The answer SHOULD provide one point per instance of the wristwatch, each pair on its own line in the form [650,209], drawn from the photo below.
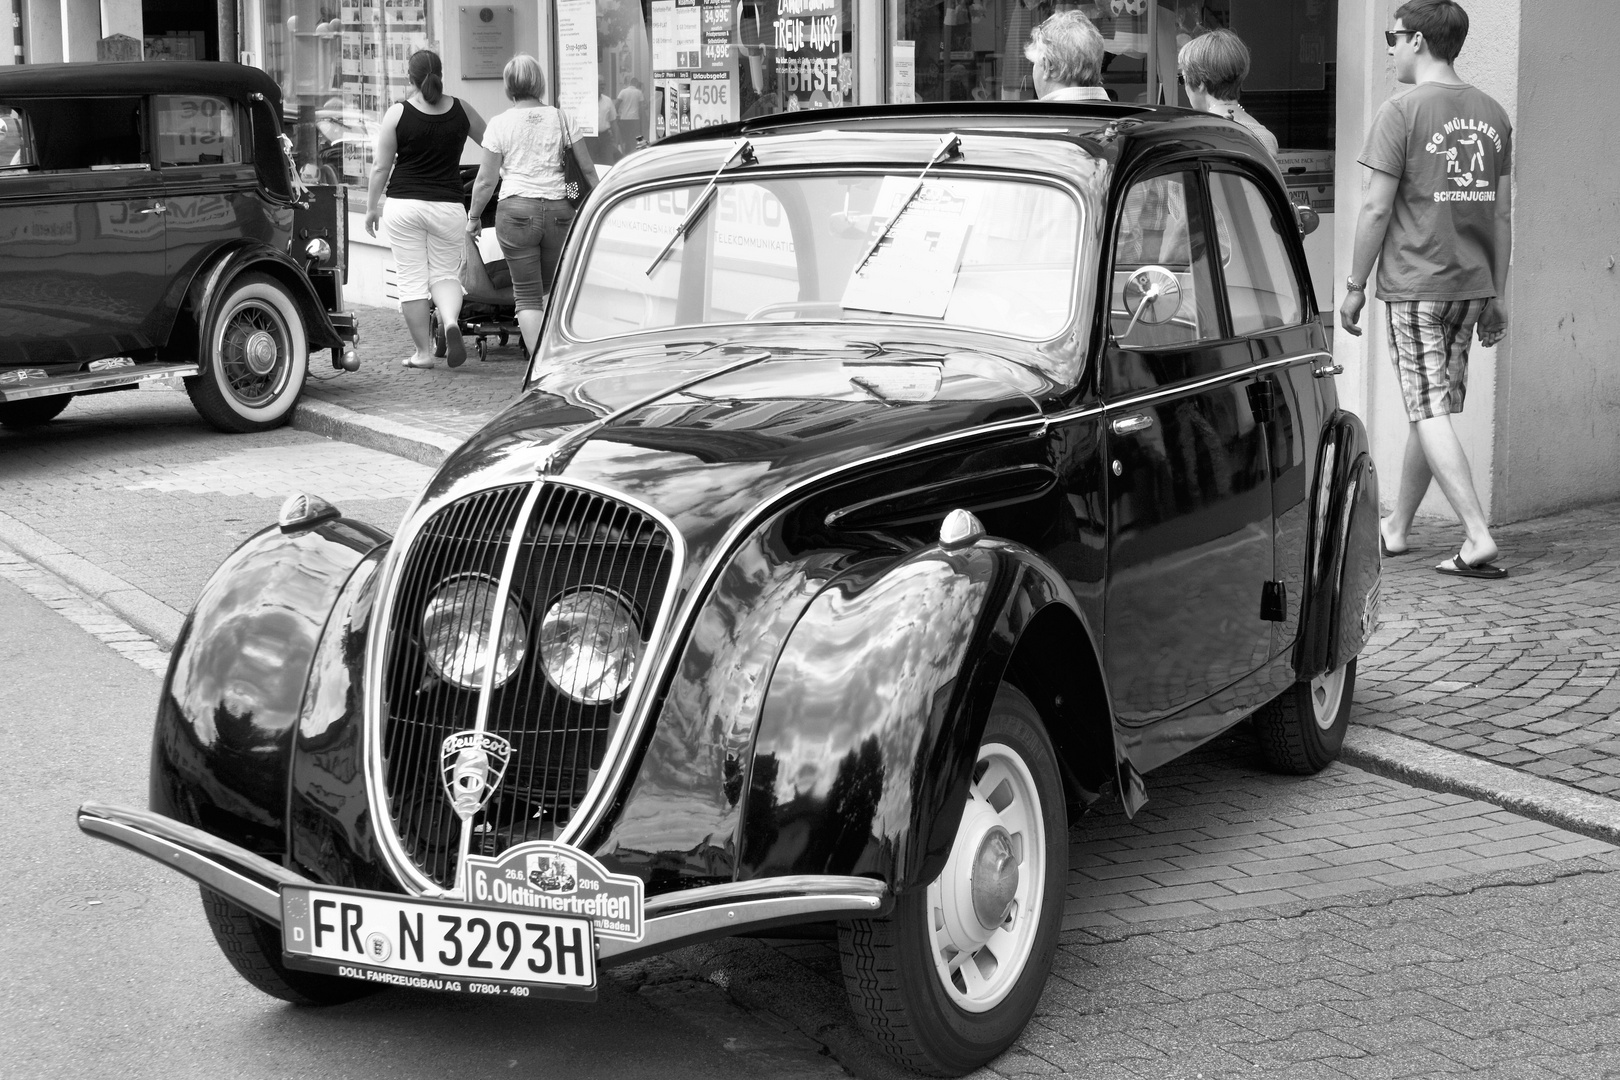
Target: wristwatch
[1355,286]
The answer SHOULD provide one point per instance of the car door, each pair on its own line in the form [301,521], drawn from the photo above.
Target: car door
[82,237]
[1263,277]
[1189,493]
[209,186]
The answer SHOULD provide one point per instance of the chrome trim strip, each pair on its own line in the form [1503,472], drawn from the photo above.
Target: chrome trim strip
[790,885]
[220,865]
[722,919]
[1212,380]
[96,380]
[588,816]
[399,862]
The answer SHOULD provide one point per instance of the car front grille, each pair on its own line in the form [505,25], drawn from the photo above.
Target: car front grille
[570,538]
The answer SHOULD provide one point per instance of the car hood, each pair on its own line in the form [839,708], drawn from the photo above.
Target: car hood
[791,409]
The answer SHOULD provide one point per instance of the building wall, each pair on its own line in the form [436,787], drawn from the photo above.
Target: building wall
[1558,410]
[1369,387]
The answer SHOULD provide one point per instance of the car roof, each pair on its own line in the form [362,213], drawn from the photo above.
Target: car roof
[147,77]
[1114,130]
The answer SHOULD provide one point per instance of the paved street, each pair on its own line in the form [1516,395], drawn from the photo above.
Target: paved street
[1349,924]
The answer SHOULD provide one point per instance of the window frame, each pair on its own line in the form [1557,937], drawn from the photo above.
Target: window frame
[1302,282]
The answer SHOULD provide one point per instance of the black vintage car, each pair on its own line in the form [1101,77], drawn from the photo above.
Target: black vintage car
[152,227]
[889,485]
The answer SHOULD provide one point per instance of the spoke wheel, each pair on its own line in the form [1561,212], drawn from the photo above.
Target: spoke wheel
[1302,731]
[255,360]
[949,978]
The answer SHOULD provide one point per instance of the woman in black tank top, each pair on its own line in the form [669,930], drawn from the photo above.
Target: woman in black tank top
[418,164]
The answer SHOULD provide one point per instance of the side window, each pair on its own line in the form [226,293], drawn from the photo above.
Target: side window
[1161,226]
[1261,287]
[16,141]
[68,134]
[195,129]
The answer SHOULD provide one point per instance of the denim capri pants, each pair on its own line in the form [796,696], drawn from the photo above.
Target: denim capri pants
[531,233]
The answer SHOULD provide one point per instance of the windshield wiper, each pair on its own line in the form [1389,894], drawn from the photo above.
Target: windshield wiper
[950,146]
[742,148]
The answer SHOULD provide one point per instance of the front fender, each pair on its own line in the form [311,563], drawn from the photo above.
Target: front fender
[236,679]
[1343,583]
[209,283]
[871,723]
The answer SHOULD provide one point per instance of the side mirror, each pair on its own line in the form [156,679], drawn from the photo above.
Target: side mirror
[1308,219]
[1152,295]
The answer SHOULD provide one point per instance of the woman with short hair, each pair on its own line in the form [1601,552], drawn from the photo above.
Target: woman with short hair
[419,164]
[523,150]
[1212,69]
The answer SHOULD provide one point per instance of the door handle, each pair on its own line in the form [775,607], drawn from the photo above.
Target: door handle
[156,208]
[1127,424]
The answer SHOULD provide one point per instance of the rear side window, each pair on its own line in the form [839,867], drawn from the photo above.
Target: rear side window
[68,134]
[1261,287]
[195,129]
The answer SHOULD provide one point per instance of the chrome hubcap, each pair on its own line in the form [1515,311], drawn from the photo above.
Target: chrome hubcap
[1326,692]
[260,353]
[984,908]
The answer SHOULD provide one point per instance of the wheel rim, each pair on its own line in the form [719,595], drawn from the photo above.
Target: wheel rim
[255,354]
[996,873]
[1326,692]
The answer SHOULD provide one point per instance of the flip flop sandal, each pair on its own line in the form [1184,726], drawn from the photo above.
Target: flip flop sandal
[1458,568]
[455,350]
[407,363]
[1390,553]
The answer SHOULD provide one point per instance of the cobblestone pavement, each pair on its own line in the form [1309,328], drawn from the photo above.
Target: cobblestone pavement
[441,399]
[140,488]
[1519,671]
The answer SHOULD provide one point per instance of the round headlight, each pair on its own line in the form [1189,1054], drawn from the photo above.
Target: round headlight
[455,632]
[589,645]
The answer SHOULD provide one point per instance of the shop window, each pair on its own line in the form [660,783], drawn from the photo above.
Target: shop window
[1262,289]
[196,130]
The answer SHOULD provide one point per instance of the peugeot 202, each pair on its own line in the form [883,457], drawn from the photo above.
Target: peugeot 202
[888,485]
[152,227]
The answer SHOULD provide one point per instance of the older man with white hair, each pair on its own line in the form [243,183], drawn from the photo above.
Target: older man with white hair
[1066,52]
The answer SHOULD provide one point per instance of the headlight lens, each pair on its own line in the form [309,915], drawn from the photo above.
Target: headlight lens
[590,645]
[455,632]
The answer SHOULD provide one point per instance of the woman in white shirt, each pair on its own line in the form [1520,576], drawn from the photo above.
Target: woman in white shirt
[523,149]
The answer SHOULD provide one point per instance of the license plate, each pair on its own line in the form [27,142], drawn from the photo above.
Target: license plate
[434,945]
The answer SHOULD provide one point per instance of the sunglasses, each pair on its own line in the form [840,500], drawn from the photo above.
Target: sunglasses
[1391,35]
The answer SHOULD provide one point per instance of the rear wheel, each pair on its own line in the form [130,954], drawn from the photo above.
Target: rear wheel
[949,978]
[1302,731]
[253,947]
[33,411]
[254,359]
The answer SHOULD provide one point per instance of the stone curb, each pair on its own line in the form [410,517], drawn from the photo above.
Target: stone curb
[372,432]
[140,609]
[1437,769]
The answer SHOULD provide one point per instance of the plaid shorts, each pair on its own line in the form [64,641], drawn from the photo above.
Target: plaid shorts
[1429,340]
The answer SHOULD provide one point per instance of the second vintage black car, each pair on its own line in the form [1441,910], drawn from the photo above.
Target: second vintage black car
[152,227]
[889,484]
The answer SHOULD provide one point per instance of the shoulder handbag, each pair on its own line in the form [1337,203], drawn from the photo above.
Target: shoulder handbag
[576,186]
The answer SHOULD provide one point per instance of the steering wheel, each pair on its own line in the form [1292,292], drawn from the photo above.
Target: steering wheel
[810,308]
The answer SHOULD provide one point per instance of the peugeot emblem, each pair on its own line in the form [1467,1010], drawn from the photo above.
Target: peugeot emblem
[472,764]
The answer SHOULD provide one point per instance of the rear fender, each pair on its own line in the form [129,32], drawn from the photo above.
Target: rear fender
[231,700]
[208,286]
[1344,576]
[871,723]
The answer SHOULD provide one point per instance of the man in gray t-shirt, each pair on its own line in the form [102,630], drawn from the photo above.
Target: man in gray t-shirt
[1437,219]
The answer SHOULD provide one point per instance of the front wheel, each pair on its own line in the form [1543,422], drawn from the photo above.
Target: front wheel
[1302,731]
[254,359]
[253,947]
[33,411]
[949,978]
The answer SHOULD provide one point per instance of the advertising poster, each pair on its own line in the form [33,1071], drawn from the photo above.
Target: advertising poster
[375,41]
[694,70]
[808,41]
[904,66]
[576,62]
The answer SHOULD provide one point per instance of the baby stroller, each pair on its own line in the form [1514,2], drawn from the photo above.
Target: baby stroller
[487,308]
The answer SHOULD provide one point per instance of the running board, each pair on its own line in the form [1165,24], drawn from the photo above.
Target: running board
[20,384]
[672,920]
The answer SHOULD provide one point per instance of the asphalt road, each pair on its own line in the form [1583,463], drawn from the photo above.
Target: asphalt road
[110,969]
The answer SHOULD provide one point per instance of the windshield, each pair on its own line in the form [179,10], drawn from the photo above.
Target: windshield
[997,255]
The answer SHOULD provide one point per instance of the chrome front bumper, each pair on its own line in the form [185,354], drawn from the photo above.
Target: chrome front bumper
[672,919]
